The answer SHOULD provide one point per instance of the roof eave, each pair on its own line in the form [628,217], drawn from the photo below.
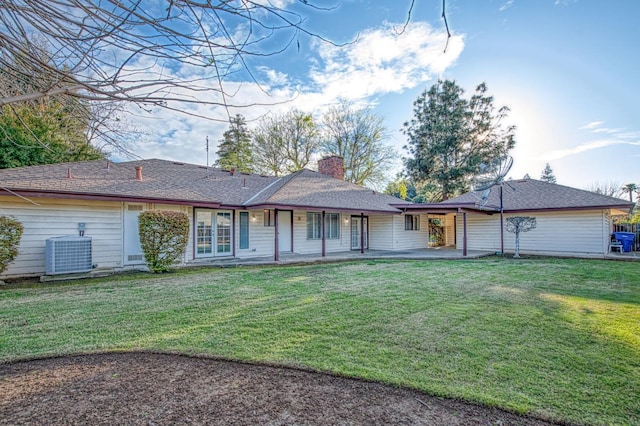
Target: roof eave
[105,197]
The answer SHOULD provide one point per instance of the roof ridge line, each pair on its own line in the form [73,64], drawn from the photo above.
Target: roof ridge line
[261,191]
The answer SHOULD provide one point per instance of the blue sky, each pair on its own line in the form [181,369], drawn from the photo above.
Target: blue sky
[567,69]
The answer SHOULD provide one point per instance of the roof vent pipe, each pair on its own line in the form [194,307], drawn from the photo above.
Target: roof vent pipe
[232,171]
[69,176]
[138,172]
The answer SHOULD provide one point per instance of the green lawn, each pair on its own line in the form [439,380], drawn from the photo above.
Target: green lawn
[558,338]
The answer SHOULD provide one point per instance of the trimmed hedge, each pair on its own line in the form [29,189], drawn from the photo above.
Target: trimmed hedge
[10,234]
[163,236]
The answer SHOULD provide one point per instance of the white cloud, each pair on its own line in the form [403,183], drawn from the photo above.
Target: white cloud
[382,61]
[506,5]
[615,137]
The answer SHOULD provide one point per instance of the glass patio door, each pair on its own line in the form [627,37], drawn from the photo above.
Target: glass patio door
[213,233]
[223,233]
[356,239]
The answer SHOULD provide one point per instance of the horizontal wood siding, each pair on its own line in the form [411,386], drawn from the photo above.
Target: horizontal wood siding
[382,232]
[261,241]
[568,232]
[58,217]
[410,240]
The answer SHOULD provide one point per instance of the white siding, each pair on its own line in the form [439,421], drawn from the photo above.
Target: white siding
[58,217]
[410,240]
[382,232]
[564,232]
[261,242]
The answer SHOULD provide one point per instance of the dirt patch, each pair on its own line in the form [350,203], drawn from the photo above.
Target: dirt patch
[146,388]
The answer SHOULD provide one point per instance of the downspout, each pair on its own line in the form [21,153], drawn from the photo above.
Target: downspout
[362,232]
[276,256]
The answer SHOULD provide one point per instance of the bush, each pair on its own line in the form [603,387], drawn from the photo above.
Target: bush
[163,236]
[10,234]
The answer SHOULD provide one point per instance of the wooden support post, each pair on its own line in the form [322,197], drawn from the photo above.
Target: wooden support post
[361,232]
[324,236]
[276,255]
[464,233]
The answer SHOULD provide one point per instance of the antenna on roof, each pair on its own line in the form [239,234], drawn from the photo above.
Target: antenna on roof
[493,174]
[207,139]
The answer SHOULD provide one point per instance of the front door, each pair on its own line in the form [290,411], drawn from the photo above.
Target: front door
[284,231]
[356,237]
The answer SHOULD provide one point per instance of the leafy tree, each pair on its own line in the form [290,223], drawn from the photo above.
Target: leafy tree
[234,151]
[10,234]
[450,136]
[43,133]
[547,174]
[357,135]
[163,237]
[285,143]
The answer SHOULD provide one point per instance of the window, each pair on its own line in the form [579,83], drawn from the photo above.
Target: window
[244,230]
[314,226]
[411,222]
[332,229]
[269,218]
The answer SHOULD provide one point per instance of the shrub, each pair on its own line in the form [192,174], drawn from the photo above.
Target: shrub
[10,234]
[163,236]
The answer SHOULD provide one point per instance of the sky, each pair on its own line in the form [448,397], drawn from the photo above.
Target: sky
[567,69]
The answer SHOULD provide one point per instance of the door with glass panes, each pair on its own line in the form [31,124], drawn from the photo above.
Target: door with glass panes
[213,233]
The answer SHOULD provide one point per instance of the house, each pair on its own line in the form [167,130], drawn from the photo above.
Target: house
[570,221]
[231,214]
[236,215]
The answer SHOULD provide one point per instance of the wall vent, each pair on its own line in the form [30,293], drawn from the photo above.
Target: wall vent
[134,257]
[69,254]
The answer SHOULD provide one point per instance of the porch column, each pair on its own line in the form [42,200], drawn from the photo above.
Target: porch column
[276,255]
[464,233]
[501,224]
[324,239]
[233,233]
[362,233]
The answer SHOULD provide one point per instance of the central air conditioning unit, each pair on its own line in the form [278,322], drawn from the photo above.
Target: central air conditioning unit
[67,255]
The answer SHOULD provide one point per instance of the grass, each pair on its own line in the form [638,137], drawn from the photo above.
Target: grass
[557,338]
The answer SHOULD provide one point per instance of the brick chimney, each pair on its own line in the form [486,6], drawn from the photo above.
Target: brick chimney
[332,166]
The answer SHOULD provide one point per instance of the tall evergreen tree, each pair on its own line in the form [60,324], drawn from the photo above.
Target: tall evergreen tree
[547,174]
[450,136]
[234,151]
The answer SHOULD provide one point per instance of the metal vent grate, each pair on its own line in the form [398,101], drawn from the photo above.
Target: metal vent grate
[69,254]
[134,257]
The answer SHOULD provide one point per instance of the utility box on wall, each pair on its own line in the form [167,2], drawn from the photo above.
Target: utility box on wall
[68,254]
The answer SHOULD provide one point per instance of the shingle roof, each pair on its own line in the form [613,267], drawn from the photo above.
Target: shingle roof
[307,188]
[190,183]
[532,194]
[161,179]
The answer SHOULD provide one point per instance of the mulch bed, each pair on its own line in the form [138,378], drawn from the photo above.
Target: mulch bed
[160,389]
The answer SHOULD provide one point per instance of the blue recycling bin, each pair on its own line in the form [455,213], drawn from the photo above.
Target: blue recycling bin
[626,238]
